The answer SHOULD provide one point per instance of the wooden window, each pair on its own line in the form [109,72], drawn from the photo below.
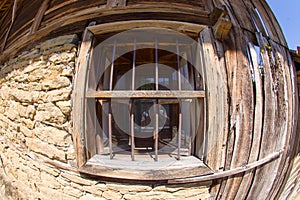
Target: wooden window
[139,105]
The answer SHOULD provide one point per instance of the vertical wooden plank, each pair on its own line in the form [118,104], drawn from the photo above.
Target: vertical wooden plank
[287,115]
[239,11]
[39,16]
[257,124]
[274,23]
[215,106]
[255,17]
[264,177]
[79,95]
[270,22]
[200,140]
[216,99]
[241,92]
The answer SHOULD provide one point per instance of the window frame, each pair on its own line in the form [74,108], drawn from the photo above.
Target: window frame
[80,93]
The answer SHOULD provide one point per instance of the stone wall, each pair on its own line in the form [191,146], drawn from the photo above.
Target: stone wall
[37,155]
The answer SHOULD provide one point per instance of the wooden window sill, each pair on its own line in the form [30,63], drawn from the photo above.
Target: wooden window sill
[145,169]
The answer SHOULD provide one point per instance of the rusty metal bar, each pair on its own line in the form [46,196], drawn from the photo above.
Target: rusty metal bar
[132,130]
[112,66]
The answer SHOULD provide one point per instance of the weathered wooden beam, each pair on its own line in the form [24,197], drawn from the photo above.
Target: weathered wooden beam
[127,25]
[39,16]
[14,11]
[222,28]
[145,94]
[216,14]
[79,92]
[145,169]
[221,25]
[115,3]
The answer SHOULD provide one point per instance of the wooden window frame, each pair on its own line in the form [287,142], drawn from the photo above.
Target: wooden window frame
[91,166]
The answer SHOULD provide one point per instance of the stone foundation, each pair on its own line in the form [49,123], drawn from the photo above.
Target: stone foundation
[37,155]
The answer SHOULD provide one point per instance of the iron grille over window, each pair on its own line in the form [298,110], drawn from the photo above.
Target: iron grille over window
[144,101]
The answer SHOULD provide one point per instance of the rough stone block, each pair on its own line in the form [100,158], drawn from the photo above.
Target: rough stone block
[122,188]
[58,95]
[112,195]
[50,113]
[55,83]
[78,179]
[53,136]
[45,149]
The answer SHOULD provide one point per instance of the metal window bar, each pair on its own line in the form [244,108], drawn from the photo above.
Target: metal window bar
[110,134]
[179,134]
[156,106]
[132,130]
[156,130]
[178,65]
[133,65]
[179,88]
[112,66]
[110,88]
[156,65]
[131,104]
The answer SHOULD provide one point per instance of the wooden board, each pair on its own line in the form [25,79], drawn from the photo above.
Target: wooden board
[79,98]
[145,168]
[241,112]
[146,94]
[216,101]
